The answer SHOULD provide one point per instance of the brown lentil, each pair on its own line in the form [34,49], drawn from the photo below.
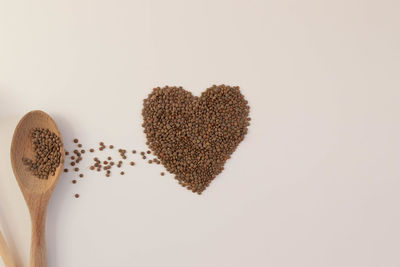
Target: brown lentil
[47,153]
[195,136]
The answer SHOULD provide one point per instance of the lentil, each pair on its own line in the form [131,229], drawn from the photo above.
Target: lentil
[47,153]
[195,136]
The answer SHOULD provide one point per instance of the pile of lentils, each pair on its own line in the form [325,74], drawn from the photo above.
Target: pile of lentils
[47,153]
[194,136]
[191,136]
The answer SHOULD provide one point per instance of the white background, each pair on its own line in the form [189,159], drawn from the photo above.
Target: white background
[316,181]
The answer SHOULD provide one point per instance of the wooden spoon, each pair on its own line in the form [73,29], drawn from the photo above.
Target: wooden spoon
[36,191]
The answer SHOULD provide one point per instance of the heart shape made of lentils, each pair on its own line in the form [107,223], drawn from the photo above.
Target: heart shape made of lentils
[194,136]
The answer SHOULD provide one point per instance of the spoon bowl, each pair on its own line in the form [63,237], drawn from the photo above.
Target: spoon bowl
[37,192]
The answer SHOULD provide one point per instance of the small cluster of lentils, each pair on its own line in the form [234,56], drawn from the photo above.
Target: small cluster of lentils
[101,165]
[194,136]
[47,152]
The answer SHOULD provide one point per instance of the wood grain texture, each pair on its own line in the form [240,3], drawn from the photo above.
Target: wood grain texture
[5,253]
[37,192]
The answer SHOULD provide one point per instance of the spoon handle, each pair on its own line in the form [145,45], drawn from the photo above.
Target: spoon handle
[38,240]
[5,253]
